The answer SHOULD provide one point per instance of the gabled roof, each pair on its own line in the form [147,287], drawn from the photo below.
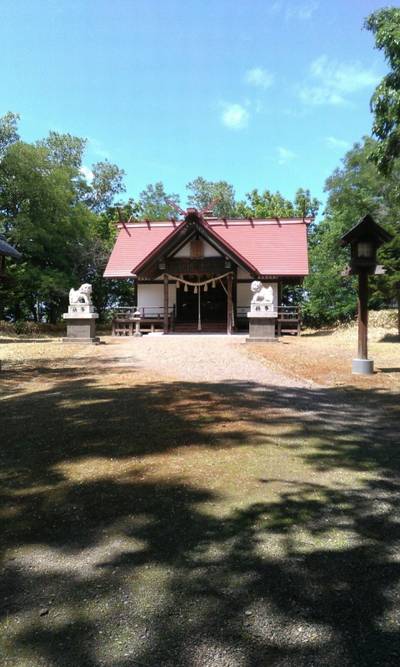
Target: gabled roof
[192,225]
[8,250]
[265,247]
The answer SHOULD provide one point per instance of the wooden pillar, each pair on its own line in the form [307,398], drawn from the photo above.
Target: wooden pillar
[199,307]
[363,315]
[165,303]
[234,299]
[229,305]
[279,293]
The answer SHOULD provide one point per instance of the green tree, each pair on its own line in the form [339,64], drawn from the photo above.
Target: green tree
[156,204]
[107,182]
[95,254]
[385,102]
[40,214]
[219,195]
[274,205]
[56,219]
[8,131]
[355,189]
[327,296]
[64,150]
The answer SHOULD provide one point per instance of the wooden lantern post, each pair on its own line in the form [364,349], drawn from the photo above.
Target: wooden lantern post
[166,294]
[362,314]
[364,239]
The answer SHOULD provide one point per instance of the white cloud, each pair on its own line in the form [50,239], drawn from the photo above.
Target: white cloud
[86,173]
[342,77]
[302,11]
[337,144]
[330,82]
[285,155]
[97,148]
[259,77]
[275,7]
[235,116]
[316,96]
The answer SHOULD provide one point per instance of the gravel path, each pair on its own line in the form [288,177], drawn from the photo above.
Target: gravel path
[199,359]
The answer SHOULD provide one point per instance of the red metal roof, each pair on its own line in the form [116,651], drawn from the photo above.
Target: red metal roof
[271,247]
[134,243]
[274,248]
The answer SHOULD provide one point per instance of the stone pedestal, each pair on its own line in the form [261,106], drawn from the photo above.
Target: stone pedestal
[81,324]
[362,367]
[262,327]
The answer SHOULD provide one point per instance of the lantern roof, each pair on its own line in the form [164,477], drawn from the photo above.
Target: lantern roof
[366,230]
[8,250]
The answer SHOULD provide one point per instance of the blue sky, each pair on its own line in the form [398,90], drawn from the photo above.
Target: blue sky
[261,93]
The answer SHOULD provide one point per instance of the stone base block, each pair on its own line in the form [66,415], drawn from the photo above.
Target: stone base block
[96,339]
[81,330]
[262,330]
[362,367]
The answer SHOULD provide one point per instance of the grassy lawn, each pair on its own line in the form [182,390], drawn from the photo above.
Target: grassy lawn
[150,521]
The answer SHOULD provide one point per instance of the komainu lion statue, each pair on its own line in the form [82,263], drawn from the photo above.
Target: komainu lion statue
[81,295]
[262,296]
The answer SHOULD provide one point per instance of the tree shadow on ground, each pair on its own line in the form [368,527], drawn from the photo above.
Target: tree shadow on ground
[105,564]
[390,338]
[318,333]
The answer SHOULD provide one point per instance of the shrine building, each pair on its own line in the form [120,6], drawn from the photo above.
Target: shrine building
[194,274]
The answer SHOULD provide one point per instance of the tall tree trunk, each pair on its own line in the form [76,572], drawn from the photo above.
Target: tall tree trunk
[52,310]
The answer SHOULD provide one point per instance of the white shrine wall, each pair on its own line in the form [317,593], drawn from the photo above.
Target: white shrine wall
[209,251]
[152,296]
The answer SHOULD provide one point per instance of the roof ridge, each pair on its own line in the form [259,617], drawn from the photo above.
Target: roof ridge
[213,221]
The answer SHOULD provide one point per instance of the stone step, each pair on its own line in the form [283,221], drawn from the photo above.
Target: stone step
[191,327]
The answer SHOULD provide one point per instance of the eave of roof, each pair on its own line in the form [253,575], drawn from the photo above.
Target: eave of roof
[156,251]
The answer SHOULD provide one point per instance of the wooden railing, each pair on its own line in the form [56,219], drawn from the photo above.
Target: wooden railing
[151,318]
[288,321]
[286,313]
[146,312]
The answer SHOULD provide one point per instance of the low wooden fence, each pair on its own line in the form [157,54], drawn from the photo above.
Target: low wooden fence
[151,318]
[288,321]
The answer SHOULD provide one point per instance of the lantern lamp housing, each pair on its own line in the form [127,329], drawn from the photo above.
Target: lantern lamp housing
[365,250]
[364,240]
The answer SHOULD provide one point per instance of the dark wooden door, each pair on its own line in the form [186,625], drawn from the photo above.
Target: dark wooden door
[213,304]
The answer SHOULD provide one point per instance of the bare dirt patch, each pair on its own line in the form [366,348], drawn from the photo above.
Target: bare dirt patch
[325,357]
